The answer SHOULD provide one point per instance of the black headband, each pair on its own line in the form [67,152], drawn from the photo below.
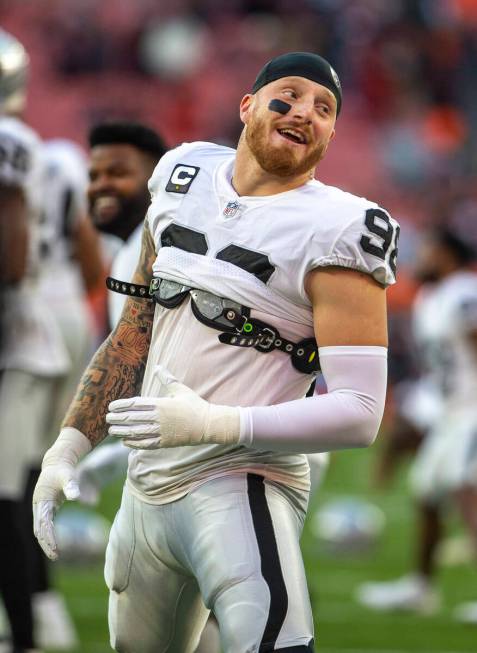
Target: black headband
[301,64]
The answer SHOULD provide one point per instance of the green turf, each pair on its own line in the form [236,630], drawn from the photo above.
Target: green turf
[342,626]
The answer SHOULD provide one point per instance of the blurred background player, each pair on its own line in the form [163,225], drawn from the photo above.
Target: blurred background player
[445,333]
[71,264]
[30,352]
[47,330]
[122,159]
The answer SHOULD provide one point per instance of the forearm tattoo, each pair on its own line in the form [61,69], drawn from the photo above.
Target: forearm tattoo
[117,368]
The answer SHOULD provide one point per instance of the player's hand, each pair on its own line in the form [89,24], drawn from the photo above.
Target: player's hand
[177,418]
[56,482]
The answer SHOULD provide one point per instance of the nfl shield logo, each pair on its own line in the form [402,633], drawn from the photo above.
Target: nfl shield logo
[232,209]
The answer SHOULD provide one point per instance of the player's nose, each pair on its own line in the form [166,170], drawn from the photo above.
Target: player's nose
[303,109]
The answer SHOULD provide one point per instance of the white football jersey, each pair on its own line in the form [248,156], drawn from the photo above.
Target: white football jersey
[255,251]
[61,285]
[21,160]
[31,339]
[66,179]
[123,267]
[444,315]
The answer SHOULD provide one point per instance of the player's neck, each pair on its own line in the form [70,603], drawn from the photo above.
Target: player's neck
[251,180]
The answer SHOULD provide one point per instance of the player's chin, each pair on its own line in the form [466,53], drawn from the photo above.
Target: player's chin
[288,164]
[104,218]
[106,215]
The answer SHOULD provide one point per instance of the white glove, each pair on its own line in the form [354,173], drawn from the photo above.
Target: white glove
[55,483]
[178,417]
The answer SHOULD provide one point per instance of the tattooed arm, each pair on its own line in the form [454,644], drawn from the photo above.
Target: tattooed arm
[117,368]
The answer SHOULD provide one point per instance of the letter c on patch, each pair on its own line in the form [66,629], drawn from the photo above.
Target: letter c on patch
[181,178]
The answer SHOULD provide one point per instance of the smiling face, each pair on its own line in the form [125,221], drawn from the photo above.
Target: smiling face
[117,192]
[289,145]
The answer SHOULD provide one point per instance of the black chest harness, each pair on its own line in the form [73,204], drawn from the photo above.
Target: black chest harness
[231,319]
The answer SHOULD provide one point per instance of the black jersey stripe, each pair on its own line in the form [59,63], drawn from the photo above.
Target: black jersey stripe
[270,561]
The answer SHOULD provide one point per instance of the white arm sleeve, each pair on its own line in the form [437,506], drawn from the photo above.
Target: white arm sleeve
[347,416]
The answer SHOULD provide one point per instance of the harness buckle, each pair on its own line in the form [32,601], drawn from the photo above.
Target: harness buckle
[267,339]
[235,317]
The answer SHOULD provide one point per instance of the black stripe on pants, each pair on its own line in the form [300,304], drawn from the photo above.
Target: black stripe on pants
[270,561]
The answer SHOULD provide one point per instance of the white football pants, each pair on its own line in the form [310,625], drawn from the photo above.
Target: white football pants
[232,546]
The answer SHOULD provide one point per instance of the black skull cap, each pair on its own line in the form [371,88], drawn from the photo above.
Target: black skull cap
[301,64]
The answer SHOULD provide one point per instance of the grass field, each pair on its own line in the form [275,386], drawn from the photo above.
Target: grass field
[342,626]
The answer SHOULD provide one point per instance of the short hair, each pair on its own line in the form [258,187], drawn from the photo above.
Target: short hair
[136,134]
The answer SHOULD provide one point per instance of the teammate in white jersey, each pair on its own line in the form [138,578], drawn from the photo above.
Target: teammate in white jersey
[445,332]
[123,157]
[70,263]
[248,258]
[27,353]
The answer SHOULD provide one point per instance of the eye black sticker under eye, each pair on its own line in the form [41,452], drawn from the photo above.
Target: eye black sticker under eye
[279,106]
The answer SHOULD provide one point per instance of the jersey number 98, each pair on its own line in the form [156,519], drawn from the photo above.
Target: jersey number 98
[384,236]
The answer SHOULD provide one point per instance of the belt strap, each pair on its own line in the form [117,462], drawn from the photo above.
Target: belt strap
[125,288]
[265,338]
[244,331]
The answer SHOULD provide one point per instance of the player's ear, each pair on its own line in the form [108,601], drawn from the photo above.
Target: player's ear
[245,105]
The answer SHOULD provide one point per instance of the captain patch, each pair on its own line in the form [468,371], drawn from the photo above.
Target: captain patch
[181,178]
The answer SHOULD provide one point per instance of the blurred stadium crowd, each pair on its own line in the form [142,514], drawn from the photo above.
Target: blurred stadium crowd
[407,67]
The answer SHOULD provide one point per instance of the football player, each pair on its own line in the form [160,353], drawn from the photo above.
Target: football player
[123,157]
[46,329]
[245,259]
[445,331]
[71,263]
[30,353]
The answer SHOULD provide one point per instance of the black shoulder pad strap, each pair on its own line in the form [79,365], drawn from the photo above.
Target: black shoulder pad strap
[126,288]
